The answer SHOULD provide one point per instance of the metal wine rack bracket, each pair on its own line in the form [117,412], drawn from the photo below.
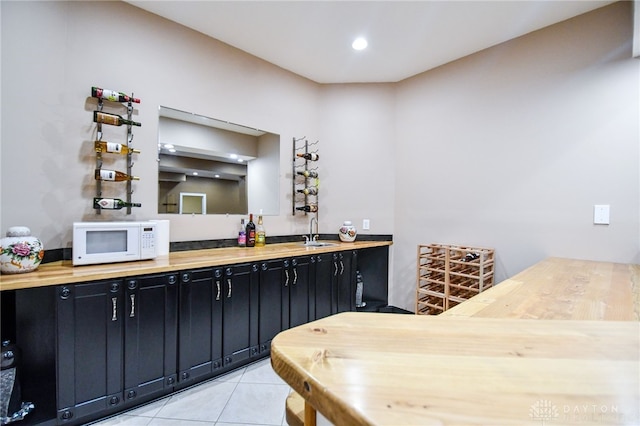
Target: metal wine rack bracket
[99,157]
[129,157]
[302,145]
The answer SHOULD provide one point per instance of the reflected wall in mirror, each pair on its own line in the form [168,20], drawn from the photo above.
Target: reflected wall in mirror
[236,167]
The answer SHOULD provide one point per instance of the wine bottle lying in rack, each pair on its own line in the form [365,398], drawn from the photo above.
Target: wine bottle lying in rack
[309,156]
[308,173]
[114,148]
[112,95]
[113,119]
[113,175]
[312,190]
[112,204]
[308,208]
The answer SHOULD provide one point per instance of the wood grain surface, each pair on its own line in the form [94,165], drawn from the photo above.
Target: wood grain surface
[64,272]
[558,288]
[385,369]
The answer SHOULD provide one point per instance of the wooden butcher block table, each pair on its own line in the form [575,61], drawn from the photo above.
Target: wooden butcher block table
[578,362]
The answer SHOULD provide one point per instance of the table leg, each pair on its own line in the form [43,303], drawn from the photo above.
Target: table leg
[309,414]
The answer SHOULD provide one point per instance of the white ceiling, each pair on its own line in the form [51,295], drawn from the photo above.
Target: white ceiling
[313,38]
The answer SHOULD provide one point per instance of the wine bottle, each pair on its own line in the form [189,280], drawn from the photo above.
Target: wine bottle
[242,234]
[251,232]
[308,173]
[112,95]
[113,148]
[113,175]
[261,235]
[113,119]
[112,204]
[312,190]
[308,208]
[309,156]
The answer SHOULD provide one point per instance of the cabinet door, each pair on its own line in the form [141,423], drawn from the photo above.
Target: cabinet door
[151,333]
[274,293]
[197,296]
[89,349]
[298,312]
[323,285]
[345,273]
[240,317]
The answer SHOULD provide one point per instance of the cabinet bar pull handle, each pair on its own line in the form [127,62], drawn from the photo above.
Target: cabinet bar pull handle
[114,313]
[335,266]
[229,283]
[286,273]
[218,288]
[341,267]
[133,306]
[295,275]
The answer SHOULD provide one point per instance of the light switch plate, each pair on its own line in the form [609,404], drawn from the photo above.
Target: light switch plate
[365,224]
[601,214]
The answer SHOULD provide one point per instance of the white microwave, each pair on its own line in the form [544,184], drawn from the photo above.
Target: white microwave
[108,242]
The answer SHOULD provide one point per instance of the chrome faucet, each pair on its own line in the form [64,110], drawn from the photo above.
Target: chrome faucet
[311,236]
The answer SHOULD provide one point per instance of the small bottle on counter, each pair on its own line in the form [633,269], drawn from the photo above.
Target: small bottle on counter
[251,232]
[242,234]
[261,235]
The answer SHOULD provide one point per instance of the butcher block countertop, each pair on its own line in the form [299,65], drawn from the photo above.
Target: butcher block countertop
[556,344]
[63,272]
[385,369]
[558,288]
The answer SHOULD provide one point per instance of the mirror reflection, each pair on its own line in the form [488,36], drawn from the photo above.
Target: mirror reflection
[235,168]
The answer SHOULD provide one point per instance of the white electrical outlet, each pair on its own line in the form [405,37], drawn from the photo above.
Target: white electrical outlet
[601,214]
[365,224]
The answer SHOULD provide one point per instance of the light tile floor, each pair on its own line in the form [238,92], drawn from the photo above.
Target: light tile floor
[253,395]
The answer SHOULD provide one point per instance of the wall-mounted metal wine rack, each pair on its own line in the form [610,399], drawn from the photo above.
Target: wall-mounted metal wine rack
[129,190]
[302,146]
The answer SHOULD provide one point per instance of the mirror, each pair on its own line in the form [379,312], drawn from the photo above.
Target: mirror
[232,169]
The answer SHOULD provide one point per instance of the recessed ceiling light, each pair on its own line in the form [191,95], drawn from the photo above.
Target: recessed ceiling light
[233,155]
[168,145]
[172,150]
[217,176]
[195,173]
[240,160]
[360,43]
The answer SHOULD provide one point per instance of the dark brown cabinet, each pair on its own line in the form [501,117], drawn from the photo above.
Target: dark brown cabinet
[116,344]
[150,336]
[90,321]
[199,313]
[95,348]
[240,318]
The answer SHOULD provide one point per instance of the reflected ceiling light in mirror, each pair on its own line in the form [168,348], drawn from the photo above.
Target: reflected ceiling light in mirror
[360,43]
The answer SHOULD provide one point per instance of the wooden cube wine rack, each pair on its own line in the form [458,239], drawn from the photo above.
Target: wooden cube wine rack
[450,274]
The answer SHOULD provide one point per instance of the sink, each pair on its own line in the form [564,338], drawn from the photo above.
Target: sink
[317,244]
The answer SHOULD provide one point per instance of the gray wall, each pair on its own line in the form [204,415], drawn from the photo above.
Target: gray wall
[509,148]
